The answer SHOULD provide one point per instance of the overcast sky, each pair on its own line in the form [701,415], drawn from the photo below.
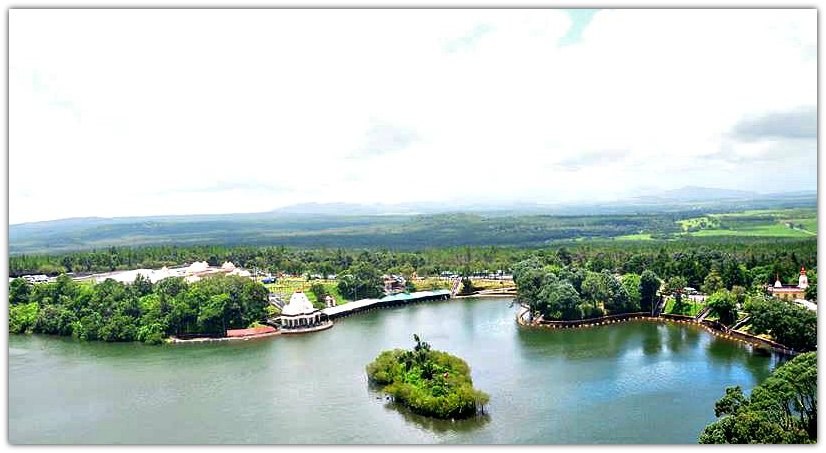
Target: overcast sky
[144,112]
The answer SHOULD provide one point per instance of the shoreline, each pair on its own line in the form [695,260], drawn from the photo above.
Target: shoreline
[469,296]
[713,327]
[326,325]
[173,340]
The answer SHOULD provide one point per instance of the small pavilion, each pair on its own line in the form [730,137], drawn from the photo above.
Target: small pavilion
[299,312]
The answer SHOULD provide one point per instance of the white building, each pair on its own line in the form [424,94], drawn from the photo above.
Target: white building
[299,312]
[197,267]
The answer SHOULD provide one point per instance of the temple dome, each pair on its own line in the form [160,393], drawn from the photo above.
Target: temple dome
[299,305]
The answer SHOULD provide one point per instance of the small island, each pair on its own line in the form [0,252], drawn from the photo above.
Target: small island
[429,382]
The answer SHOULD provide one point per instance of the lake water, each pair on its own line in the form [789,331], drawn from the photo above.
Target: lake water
[635,382]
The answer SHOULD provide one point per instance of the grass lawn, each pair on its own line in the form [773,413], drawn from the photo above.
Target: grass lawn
[809,223]
[690,307]
[491,284]
[431,283]
[769,230]
[287,286]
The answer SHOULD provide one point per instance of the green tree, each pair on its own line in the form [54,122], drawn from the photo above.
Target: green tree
[594,288]
[212,317]
[467,286]
[561,301]
[712,283]
[786,322]
[320,292]
[649,285]
[23,317]
[723,304]
[675,286]
[19,291]
[811,292]
[631,283]
[618,300]
[361,281]
[782,409]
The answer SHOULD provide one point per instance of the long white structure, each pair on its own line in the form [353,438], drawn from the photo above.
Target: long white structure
[395,299]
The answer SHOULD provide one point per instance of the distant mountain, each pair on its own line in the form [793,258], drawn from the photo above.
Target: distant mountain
[657,200]
[415,224]
[695,193]
[418,208]
[346,209]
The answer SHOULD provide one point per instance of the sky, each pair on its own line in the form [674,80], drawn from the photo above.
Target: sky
[157,112]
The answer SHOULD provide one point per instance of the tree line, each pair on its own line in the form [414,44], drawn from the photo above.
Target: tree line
[140,311]
[567,292]
[743,261]
[571,293]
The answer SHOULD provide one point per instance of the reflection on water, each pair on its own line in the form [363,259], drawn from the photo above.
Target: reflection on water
[437,425]
[429,423]
[634,382]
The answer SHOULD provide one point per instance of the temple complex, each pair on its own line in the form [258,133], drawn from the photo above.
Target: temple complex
[791,292]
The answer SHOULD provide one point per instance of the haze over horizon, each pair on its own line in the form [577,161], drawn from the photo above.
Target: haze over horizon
[231,111]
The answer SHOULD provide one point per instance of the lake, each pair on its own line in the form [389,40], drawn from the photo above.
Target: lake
[635,382]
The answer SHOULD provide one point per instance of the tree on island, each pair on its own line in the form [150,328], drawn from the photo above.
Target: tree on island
[429,382]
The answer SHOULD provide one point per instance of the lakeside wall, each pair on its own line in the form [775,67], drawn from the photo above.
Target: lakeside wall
[713,327]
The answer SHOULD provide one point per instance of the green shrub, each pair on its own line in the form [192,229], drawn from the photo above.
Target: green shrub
[429,382]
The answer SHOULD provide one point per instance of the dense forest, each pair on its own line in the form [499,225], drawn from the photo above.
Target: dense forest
[556,286]
[402,232]
[740,261]
[141,311]
[408,232]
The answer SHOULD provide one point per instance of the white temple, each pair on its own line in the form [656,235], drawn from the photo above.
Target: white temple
[803,280]
[299,312]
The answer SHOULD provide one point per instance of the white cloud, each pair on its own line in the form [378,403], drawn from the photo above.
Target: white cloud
[137,112]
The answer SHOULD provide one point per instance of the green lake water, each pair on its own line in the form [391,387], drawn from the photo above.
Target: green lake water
[635,382]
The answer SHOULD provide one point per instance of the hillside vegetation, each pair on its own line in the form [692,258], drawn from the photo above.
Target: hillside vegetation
[403,232]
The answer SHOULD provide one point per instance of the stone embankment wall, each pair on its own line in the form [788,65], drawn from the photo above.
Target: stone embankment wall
[713,327]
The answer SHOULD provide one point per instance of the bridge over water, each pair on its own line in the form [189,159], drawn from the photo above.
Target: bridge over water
[386,301]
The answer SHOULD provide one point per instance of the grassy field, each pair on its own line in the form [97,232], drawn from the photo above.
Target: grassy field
[635,237]
[704,222]
[691,308]
[431,283]
[785,223]
[775,230]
